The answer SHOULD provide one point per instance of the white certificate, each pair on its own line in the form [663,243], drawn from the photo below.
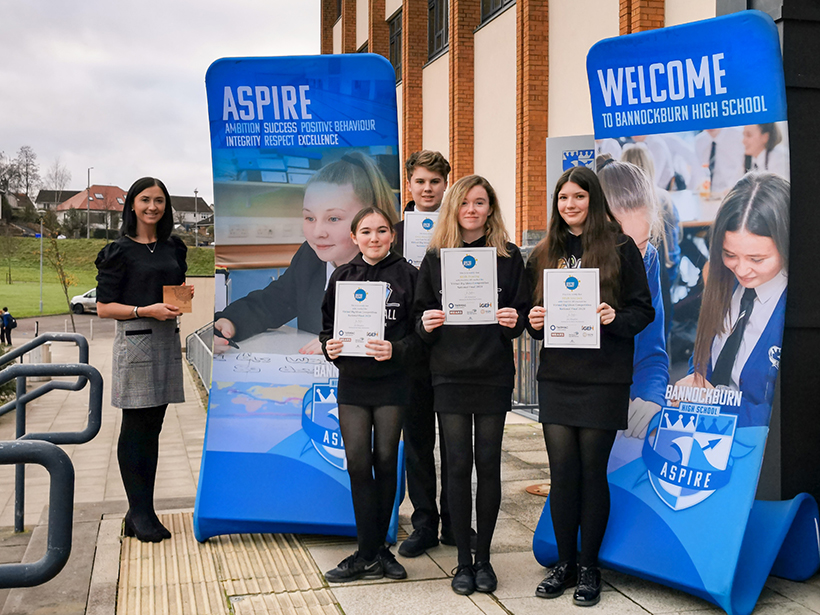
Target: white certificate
[418,230]
[359,315]
[469,286]
[571,298]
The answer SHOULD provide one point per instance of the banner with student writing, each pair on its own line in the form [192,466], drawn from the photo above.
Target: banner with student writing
[690,122]
[299,146]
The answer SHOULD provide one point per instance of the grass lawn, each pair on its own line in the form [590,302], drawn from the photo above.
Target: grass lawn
[22,296]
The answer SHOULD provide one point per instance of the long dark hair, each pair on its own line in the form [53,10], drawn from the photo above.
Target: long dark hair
[599,238]
[759,204]
[129,218]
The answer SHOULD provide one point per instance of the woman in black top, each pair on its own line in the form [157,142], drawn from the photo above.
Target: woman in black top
[473,370]
[583,394]
[147,370]
[372,394]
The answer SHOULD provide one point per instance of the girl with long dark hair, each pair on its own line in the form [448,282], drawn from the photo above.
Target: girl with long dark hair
[147,370]
[584,393]
[744,303]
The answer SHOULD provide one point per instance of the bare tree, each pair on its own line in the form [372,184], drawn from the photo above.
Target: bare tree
[57,260]
[57,178]
[9,174]
[8,248]
[29,169]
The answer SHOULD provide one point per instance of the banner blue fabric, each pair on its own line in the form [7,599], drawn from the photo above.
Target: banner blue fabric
[704,103]
[685,78]
[296,142]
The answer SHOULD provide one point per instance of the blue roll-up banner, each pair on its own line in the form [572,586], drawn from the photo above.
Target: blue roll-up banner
[705,103]
[298,145]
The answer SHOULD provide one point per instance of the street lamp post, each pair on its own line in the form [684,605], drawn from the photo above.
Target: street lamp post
[196,220]
[88,206]
[41,263]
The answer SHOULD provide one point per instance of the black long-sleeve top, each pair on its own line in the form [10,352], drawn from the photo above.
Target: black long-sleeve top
[612,363]
[359,377]
[474,354]
[296,293]
[130,273]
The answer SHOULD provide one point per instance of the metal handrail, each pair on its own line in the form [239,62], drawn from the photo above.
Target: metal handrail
[199,353]
[78,339]
[60,511]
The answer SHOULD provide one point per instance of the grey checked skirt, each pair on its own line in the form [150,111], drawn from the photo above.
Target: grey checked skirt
[147,369]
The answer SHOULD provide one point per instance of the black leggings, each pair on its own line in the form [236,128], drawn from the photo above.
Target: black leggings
[371,436]
[137,454]
[579,493]
[458,435]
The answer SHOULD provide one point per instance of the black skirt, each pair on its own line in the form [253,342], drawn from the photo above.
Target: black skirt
[471,399]
[597,406]
[390,390]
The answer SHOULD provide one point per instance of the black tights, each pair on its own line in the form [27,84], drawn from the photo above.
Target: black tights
[458,436]
[579,493]
[137,454]
[371,436]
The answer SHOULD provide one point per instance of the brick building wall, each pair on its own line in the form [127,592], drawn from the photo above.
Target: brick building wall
[465,16]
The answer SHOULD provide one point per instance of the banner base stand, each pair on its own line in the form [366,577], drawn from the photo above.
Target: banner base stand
[780,539]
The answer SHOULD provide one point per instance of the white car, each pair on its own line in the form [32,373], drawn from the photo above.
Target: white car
[87,302]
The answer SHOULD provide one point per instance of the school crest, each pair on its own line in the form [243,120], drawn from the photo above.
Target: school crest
[689,458]
[320,421]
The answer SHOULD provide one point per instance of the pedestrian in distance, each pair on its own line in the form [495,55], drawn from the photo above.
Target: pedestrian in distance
[8,323]
[147,365]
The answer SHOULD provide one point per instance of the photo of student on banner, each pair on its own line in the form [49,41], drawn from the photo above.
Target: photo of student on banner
[332,198]
[633,201]
[741,320]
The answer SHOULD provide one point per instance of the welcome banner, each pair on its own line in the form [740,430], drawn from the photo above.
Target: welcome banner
[299,144]
[704,103]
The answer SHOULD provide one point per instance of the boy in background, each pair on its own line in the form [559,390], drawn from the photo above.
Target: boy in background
[426,173]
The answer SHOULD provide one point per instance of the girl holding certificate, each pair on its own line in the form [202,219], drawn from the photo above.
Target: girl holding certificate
[473,370]
[740,328]
[372,394]
[584,393]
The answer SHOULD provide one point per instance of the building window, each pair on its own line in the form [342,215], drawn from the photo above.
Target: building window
[490,8]
[338,9]
[395,45]
[362,49]
[438,22]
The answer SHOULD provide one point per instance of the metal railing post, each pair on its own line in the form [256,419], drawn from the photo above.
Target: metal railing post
[20,468]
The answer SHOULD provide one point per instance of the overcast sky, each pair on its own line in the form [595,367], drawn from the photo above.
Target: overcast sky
[121,86]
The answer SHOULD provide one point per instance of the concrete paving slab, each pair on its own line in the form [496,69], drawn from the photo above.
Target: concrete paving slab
[420,598]
[805,594]
[612,603]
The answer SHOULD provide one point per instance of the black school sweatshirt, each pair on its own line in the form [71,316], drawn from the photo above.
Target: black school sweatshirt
[363,380]
[474,354]
[612,363]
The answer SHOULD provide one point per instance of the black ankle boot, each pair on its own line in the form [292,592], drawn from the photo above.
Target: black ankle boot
[588,591]
[560,577]
[142,528]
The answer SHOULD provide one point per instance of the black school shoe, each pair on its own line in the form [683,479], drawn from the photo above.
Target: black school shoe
[355,568]
[560,577]
[418,542]
[392,568]
[588,592]
[485,579]
[464,580]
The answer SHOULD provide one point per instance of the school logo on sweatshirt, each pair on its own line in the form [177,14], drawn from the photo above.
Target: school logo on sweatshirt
[320,421]
[689,458]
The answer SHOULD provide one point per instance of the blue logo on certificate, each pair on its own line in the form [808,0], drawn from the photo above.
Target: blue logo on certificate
[468,262]
[427,224]
[689,459]
[578,158]
[571,282]
[360,295]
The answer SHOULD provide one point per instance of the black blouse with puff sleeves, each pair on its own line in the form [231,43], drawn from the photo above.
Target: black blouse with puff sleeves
[129,273]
